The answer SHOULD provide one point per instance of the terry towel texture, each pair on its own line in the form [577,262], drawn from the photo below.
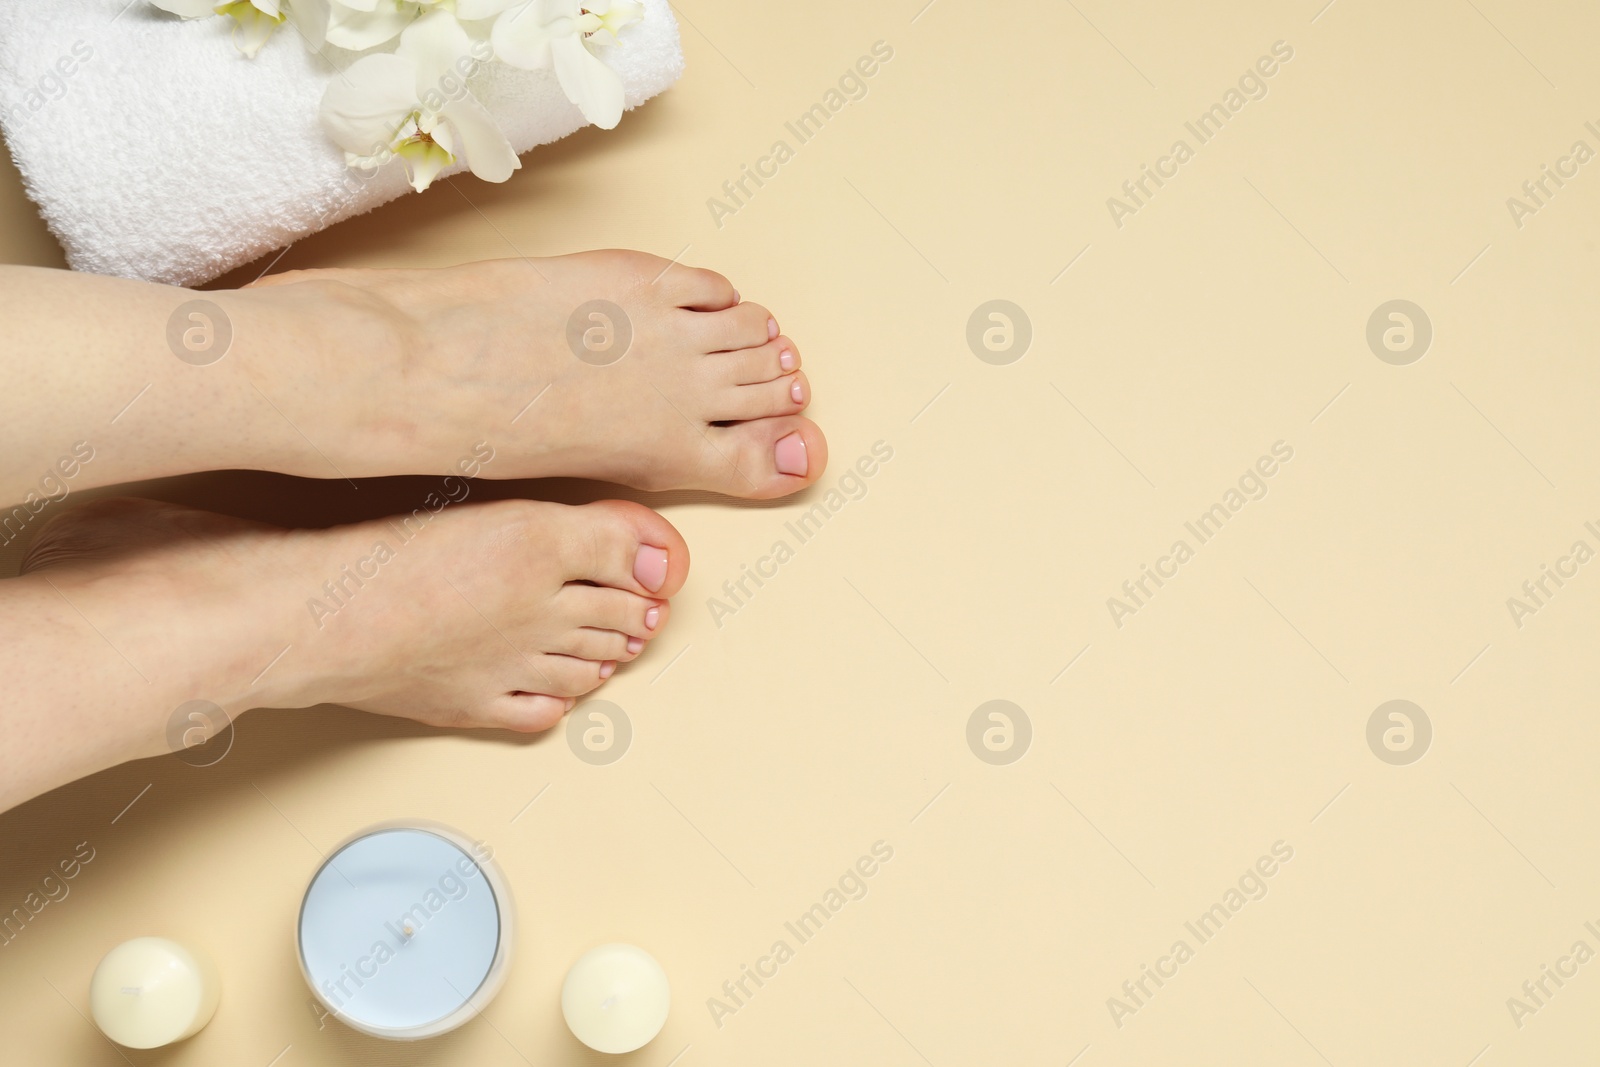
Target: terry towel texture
[155,150]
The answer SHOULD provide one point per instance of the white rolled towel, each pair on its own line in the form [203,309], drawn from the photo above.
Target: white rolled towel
[155,150]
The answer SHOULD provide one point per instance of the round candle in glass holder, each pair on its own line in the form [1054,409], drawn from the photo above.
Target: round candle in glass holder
[405,931]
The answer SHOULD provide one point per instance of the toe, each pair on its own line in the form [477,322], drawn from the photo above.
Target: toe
[600,645]
[698,289]
[753,366]
[625,546]
[781,396]
[767,458]
[602,608]
[565,676]
[745,325]
[526,712]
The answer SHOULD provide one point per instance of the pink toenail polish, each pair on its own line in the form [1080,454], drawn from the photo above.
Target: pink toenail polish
[650,567]
[796,393]
[786,359]
[572,702]
[652,618]
[635,646]
[772,329]
[607,668]
[736,296]
[790,453]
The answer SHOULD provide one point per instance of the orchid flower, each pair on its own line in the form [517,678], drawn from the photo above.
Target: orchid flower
[567,34]
[414,104]
[254,20]
[362,24]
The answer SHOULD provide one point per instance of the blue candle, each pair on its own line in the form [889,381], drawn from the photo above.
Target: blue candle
[405,930]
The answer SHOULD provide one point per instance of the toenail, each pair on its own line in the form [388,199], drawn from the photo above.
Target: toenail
[606,668]
[652,618]
[572,702]
[786,359]
[635,646]
[772,329]
[736,296]
[790,452]
[797,393]
[650,567]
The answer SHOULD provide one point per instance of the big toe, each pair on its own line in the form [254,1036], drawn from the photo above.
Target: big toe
[626,546]
[766,458]
[528,713]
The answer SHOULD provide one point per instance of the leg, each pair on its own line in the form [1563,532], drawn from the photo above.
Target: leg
[367,373]
[480,615]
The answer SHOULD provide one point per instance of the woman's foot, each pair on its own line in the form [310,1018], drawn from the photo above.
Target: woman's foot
[496,614]
[687,388]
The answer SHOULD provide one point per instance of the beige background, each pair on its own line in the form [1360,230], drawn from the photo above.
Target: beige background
[830,712]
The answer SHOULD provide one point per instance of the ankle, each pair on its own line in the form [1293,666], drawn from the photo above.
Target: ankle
[339,361]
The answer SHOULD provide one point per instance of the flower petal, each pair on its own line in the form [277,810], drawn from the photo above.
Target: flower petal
[252,27]
[311,17]
[472,10]
[488,152]
[360,30]
[363,110]
[522,37]
[589,83]
[434,43]
[424,159]
[442,136]
[616,15]
[189,9]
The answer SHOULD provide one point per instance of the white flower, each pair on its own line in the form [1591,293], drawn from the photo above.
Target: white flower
[566,34]
[254,20]
[415,104]
[362,24]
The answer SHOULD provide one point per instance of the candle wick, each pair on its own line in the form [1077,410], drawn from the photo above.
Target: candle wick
[608,1003]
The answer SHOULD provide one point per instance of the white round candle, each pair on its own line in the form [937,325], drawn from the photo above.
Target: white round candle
[405,932]
[616,998]
[151,991]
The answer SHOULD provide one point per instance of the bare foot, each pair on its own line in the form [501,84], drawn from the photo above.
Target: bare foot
[494,614]
[689,388]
